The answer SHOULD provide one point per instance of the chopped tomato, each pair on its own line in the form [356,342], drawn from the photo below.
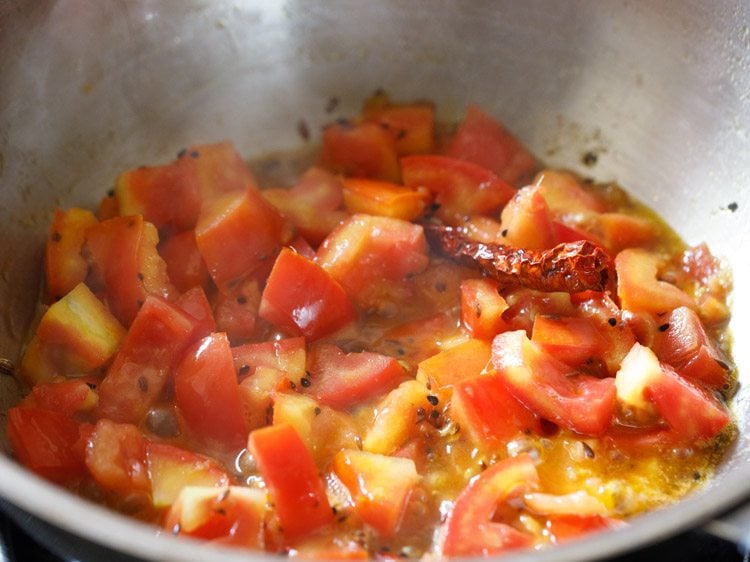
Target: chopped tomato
[302,298]
[565,527]
[385,199]
[207,393]
[361,150]
[618,231]
[77,335]
[369,255]
[126,265]
[290,473]
[156,340]
[185,265]
[340,379]
[550,388]
[683,343]
[455,364]
[238,234]
[218,169]
[172,468]
[484,141]
[153,191]
[380,486]
[482,308]
[313,205]
[527,222]
[116,458]
[484,229]
[471,529]
[574,341]
[65,266]
[287,355]
[640,290]
[233,515]
[236,310]
[64,396]
[44,442]
[195,304]
[489,414]
[565,195]
[412,125]
[460,188]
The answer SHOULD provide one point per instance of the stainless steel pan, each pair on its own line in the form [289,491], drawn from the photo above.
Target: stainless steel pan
[660,91]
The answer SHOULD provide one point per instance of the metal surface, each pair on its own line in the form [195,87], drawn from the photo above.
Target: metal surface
[658,90]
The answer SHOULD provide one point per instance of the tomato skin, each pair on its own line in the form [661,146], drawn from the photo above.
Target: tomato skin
[207,394]
[44,442]
[64,265]
[116,458]
[76,335]
[289,471]
[578,402]
[313,205]
[482,308]
[340,379]
[489,414]
[288,355]
[153,191]
[470,530]
[301,298]
[380,486]
[238,234]
[685,345]
[484,141]
[185,265]
[371,256]
[159,334]
[691,411]
[461,188]
[361,150]
[526,220]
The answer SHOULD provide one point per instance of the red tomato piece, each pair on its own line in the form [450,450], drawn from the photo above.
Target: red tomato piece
[385,199]
[455,364]
[116,458]
[380,486]
[471,529]
[302,298]
[411,125]
[207,393]
[172,468]
[44,442]
[361,150]
[290,473]
[565,195]
[573,341]
[461,188]
[64,265]
[313,205]
[153,191]
[195,304]
[685,345]
[640,290]
[233,515]
[218,169]
[370,255]
[527,222]
[185,265]
[565,527]
[77,335]
[691,411]
[126,265]
[238,234]
[483,229]
[489,414]
[236,310]
[156,340]
[286,355]
[340,379]
[64,396]
[108,208]
[548,387]
[482,308]
[618,231]
[484,141]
